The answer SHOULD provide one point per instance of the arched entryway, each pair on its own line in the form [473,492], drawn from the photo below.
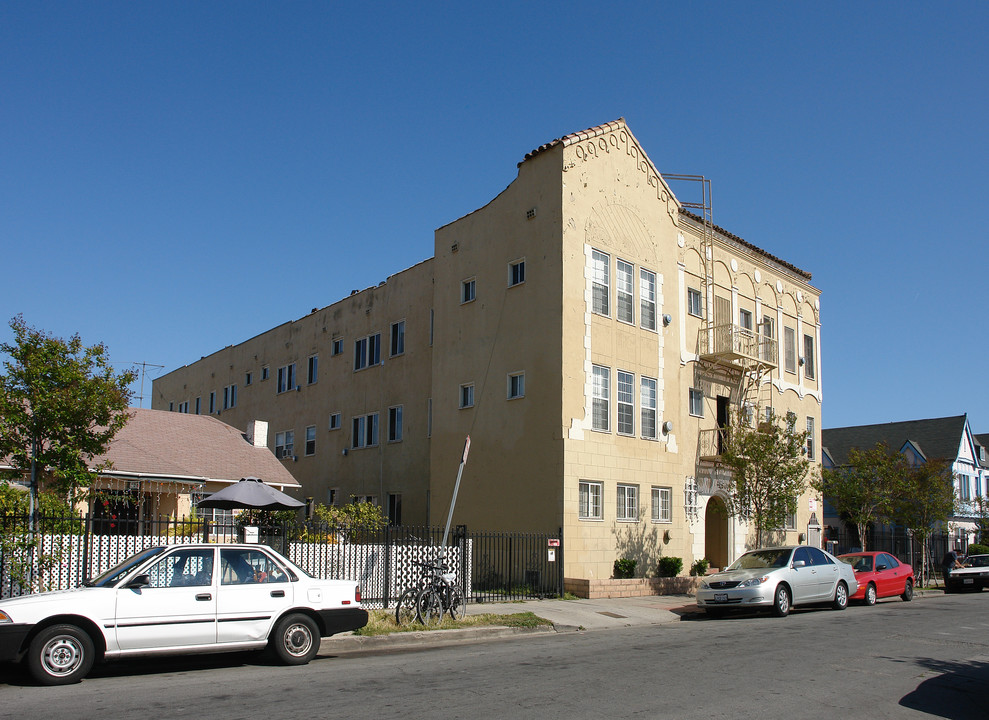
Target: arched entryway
[716,532]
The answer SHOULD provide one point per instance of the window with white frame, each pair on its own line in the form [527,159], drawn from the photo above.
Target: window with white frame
[809,357]
[810,438]
[365,431]
[467,395]
[286,378]
[790,521]
[662,504]
[311,440]
[516,273]
[516,385]
[229,397]
[790,349]
[696,402]
[590,501]
[367,351]
[468,290]
[624,291]
[647,299]
[284,444]
[395,424]
[398,338]
[601,398]
[626,403]
[600,283]
[337,346]
[264,373]
[767,338]
[694,305]
[184,406]
[964,487]
[312,372]
[647,407]
[334,421]
[627,505]
[745,319]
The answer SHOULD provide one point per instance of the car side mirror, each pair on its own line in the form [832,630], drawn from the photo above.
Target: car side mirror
[798,563]
[139,581]
[880,567]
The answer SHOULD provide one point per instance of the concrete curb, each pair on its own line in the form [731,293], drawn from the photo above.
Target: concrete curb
[343,644]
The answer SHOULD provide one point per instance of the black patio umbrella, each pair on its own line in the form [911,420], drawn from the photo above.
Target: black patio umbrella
[250,493]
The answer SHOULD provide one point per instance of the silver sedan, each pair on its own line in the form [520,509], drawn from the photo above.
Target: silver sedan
[778,579]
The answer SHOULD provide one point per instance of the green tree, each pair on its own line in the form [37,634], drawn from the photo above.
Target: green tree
[865,490]
[61,403]
[927,502]
[769,471]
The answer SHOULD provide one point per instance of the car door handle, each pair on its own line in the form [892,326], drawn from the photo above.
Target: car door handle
[277,593]
[204,596]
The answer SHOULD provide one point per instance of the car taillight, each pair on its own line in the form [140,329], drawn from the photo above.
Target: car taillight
[357,593]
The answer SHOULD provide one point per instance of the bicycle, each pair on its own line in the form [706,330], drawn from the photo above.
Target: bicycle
[435,594]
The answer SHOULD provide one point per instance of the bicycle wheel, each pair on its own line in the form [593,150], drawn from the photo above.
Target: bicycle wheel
[405,611]
[458,604]
[429,607]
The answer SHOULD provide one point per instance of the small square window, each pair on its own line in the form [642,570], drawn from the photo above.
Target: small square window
[264,373]
[334,421]
[467,396]
[696,402]
[337,346]
[516,385]
[467,290]
[516,273]
[694,306]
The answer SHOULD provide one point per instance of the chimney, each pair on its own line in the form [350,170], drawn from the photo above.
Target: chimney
[257,433]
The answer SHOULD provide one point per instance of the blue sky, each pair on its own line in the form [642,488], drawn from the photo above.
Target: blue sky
[178,177]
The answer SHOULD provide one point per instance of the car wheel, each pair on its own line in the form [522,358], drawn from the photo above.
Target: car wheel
[61,655]
[907,590]
[295,640]
[781,601]
[840,596]
[870,594]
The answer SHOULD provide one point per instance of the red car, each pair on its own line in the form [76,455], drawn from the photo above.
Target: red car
[880,575]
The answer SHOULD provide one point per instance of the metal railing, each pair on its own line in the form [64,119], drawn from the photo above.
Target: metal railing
[734,342]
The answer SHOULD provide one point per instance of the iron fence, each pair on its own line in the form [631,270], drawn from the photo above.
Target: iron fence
[899,542]
[62,552]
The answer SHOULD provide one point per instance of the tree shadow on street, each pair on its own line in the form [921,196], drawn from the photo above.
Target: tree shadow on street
[957,692]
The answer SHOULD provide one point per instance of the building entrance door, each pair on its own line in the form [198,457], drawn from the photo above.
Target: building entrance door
[716,533]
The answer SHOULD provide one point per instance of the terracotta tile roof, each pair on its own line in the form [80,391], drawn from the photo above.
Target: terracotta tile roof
[746,243]
[188,447]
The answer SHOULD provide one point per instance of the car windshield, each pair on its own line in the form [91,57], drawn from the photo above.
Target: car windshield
[978,561]
[860,563]
[762,559]
[117,572]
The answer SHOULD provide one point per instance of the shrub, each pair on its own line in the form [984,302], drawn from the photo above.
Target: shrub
[976,549]
[624,568]
[670,566]
[699,568]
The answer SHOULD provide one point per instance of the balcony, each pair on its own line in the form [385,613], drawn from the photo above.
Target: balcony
[737,346]
[711,443]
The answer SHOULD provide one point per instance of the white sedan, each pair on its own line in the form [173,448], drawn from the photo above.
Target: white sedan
[179,599]
[778,579]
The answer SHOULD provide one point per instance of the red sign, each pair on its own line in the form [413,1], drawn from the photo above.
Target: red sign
[553,542]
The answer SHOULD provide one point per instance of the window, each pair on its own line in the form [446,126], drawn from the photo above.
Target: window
[337,346]
[590,501]
[398,338]
[248,378]
[312,374]
[516,273]
[626,403]
[264,373]
[286,378]
[627,507]
[311,440]
[624,289]
[365,431]
[662,504]
[394,509]
[284,444]
[790,349]
[767,339]
[647,405]
[601,398]
[182,569]
[395,424]
[229,397]
[810,438]
[647,299]
[334,421]
[790,522]
[367,352]
[171,406]
[696,402]
[184,407]
[600,283]
[694,306]
[809,357]
[516,385]
[199,405]
[467,290]
[745,319]
[212,402]
[964,490]
[467,395]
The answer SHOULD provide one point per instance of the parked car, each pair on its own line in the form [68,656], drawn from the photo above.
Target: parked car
[778,579]
[178,599]
[973,576]
[879,575]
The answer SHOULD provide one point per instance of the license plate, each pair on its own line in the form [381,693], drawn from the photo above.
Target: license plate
[720,597]
[968,581]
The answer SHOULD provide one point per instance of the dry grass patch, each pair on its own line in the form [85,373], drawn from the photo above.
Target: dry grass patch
[382,622]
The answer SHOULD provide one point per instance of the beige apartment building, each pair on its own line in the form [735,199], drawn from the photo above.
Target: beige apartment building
[586,328]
